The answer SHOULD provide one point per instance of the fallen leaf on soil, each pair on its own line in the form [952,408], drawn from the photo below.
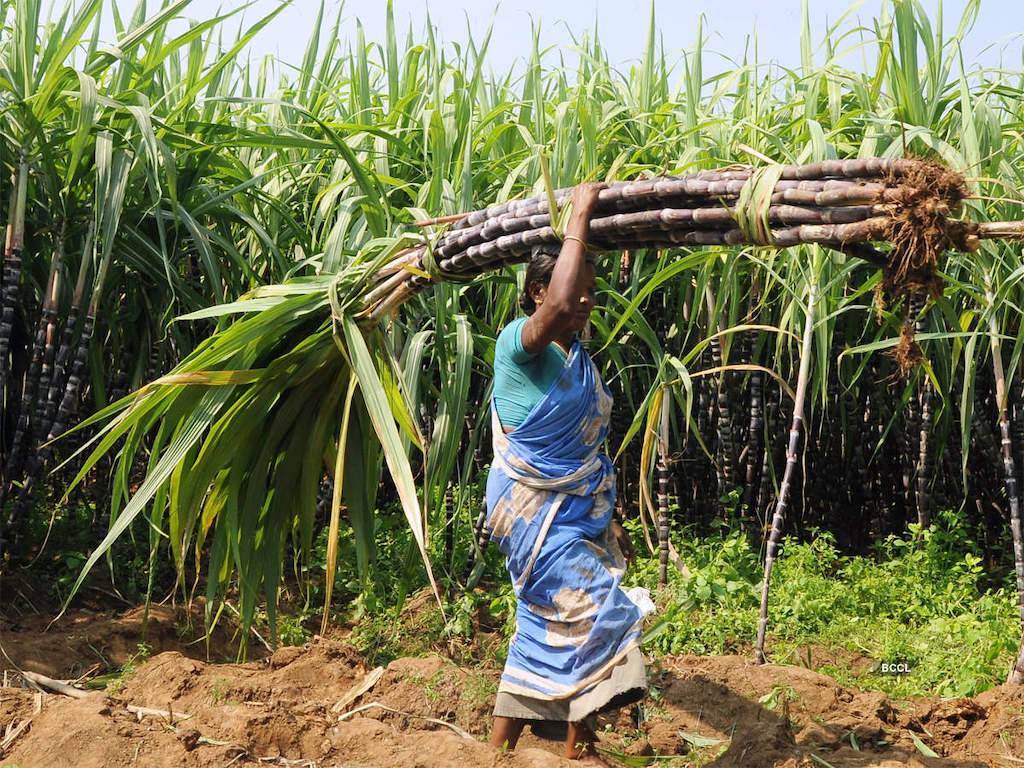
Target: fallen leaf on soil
[364,687]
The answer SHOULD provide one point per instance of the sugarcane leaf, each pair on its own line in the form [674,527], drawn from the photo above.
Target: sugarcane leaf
[697,740]
[377,407]
[363,469]
[662,276]
[193,427]
[451,415]
[335,521]
[233,308]
[754,202]
[923,748]
[86,119]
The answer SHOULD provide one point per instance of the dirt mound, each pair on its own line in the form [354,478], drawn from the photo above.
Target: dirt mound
[789,716]
[299,707]
[278,710]
[78,642]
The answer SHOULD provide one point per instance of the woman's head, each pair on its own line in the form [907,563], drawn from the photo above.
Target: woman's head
[538,276]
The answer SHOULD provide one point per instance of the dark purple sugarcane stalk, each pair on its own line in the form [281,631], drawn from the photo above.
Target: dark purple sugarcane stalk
[13,465]
[726,454]
[1006,445]
[481,537]
[754,448]
[705,183]
[924,462]
[59,377]
[755,426]
[68,408]
[13,252]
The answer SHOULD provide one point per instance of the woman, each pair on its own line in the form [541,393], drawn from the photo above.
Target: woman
[550,497]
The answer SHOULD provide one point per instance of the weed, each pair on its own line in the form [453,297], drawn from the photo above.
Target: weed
[478,688]
[218,691]
[117,682]
[922,600]
[291,630]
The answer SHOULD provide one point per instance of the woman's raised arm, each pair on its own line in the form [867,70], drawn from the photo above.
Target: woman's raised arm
[561,302]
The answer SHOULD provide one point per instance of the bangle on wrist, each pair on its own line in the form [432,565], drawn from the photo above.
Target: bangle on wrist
[579,240]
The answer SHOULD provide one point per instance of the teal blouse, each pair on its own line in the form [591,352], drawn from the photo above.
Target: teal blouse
[522,378]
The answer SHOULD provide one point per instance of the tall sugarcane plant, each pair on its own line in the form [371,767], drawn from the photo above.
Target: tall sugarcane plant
[241,285]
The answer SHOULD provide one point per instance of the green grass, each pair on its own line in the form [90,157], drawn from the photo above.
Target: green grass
[924,602]
[923,599]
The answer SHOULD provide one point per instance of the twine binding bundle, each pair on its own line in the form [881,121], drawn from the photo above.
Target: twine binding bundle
[848,205]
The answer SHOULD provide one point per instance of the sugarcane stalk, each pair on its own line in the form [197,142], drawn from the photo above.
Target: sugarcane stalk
[68,407]
[792,202]
[403,258]
[923,468]
[840,212]
[788,476]
[65,413]
[705,424]
[1016,676]
[723,424]
[388,284]
[49,353]
[668,219]
[1006,444]
[69,403]
[474,564]
[403,292]
[924,465]
[910,453]
[832,235]
[754,461]
[625,268]
[12,265]
[483,256]
[449,526]
[663,507]
[700,184]
[58,380]
[1001,230]
[1017,420]
[30,385]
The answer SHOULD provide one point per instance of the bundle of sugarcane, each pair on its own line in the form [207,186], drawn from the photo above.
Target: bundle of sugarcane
[844,204]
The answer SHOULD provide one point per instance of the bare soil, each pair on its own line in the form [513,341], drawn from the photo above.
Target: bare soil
[292,708]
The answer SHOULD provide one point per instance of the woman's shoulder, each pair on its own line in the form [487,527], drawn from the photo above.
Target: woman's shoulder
[508,348]
[512,329]
[510,337]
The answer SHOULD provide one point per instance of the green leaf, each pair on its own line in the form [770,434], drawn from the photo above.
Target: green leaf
[699,741]
[384,425]
[923,748]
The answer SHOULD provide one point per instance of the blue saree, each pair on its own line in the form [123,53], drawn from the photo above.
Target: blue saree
[550,496]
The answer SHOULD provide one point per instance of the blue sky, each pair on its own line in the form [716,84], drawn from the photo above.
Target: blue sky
[996,38]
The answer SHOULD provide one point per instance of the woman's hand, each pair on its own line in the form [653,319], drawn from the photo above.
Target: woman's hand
[618,533]
[583,201]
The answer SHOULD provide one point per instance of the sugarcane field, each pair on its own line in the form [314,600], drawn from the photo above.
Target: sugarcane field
[427,383]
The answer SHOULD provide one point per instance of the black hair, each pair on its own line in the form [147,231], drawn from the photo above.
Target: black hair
[538,271]
[542,264]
